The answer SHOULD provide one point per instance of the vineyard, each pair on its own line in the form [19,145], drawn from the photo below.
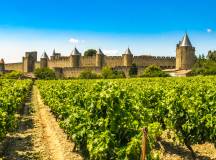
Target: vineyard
[13,94]
[105,117]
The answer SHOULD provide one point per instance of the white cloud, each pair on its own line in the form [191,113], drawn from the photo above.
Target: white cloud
[73,41]
[111,52]
[209,30]
[76,41]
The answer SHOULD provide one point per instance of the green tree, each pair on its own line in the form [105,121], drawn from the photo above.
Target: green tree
[107,72]
[133,70]
[88,74]
[154,71]
[90,52]
[212,55]
[44,73]
[118,74]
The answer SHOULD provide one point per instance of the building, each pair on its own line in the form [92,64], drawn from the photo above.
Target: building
[73,64]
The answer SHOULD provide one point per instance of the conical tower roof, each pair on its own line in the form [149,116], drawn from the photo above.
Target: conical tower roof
[54,52]
[99,51]
[2,61]
[44,55]
[75,52]
[185,41]
[128,51]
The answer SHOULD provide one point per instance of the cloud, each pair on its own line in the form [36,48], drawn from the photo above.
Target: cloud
[111,52]
[73,41]
[209,30]
[76,41]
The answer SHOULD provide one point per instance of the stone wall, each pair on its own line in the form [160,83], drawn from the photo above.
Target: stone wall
[60,62]
[163,62]
[37,65]
[14,66]
[69,72]
[88,61]
[75,72]
[113,61]
[116,62]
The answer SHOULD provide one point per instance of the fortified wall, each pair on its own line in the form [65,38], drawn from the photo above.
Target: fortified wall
[72,65]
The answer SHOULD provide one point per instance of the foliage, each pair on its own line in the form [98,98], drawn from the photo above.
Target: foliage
[212,55]
[108,73]
[13,75]
[154,71]
[104,117]
[13,93]
[90,52]
[204,66]
[118,74]
[44,73]
[88,74]
[133,70]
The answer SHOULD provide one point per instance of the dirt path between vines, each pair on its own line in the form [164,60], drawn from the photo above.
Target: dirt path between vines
[38,135]
[51,140]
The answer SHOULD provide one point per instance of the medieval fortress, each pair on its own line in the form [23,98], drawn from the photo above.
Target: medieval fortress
[72,65]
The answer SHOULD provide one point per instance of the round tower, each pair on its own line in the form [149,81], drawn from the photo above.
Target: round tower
[127,58]
[99,58]
[75,58]
[185,54]
[44,60]
[2,65]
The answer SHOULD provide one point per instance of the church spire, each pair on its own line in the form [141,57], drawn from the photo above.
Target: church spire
[185,41]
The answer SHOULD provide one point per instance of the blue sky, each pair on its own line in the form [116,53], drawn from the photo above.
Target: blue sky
[148,27]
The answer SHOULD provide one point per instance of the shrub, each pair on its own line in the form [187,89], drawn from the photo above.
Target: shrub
[133,70]
[107,72]
[154,71]
[118,74]
[44,73]
[13,75]
[88,74]
[204,67]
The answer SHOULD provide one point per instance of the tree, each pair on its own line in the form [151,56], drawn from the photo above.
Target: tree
[88,74]
[133,70]
[106,72]
[118,74]
[154,71]
[90,52]
[212,55]
[44,73]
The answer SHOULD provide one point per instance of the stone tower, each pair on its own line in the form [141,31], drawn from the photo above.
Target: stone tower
[2,65]
[44,60]
[75,58]
[127,58]
[185,54]
[99,58]
[29,61]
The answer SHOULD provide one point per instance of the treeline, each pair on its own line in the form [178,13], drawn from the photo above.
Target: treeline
[205,65]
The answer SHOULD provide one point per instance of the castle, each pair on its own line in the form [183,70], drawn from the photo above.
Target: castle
[72,65]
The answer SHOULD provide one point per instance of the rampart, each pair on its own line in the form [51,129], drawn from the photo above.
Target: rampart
[14,66]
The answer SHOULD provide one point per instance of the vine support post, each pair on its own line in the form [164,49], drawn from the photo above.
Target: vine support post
[144,143]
